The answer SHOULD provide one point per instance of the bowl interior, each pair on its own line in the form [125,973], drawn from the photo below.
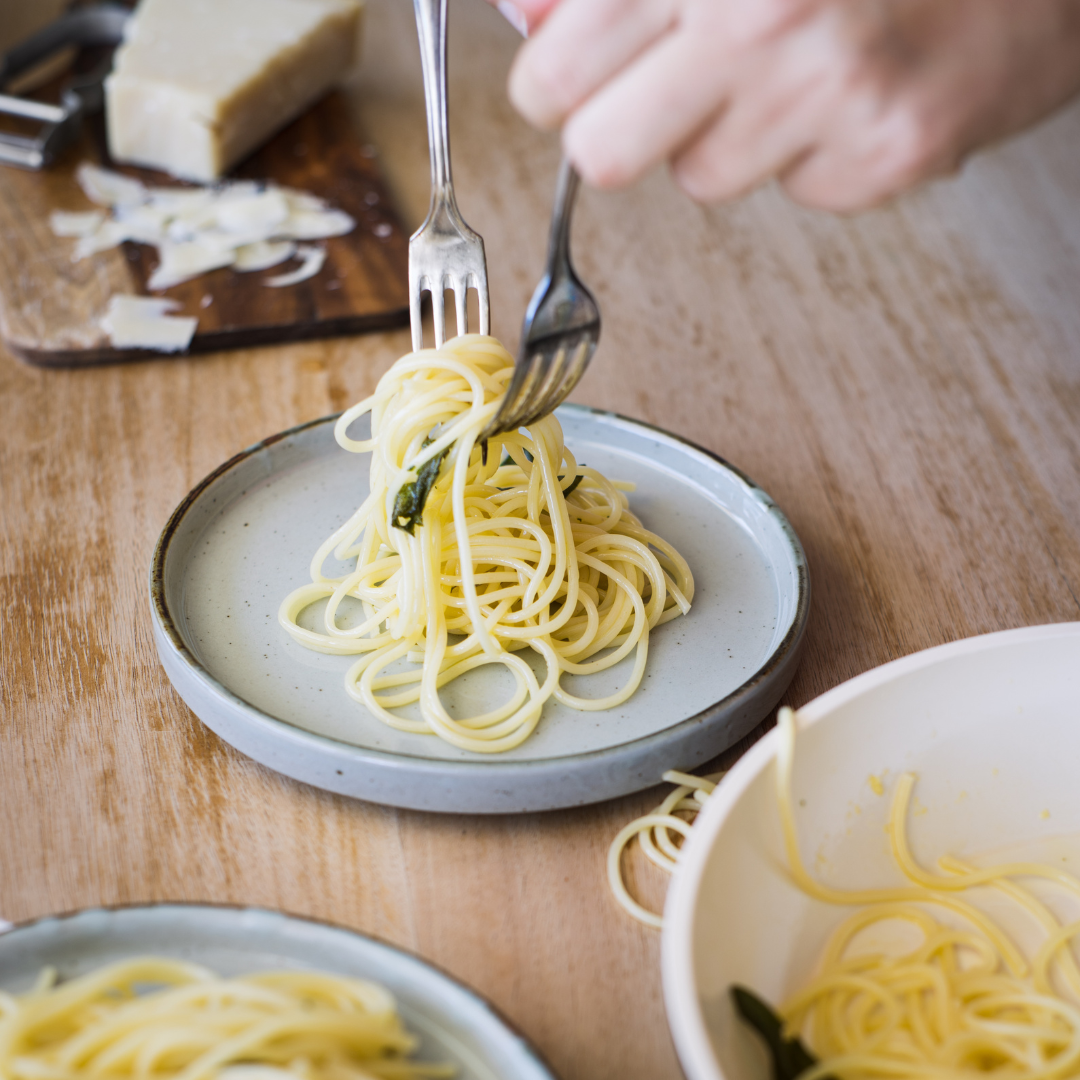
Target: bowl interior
[991,728]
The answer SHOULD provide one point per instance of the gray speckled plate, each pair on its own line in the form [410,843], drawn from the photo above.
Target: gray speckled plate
[452,1022]
[245,536]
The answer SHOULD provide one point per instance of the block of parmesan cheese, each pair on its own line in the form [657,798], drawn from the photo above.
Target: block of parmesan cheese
[198,84]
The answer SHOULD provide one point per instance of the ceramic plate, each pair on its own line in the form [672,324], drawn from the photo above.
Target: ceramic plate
[245,536]
[990,727]
[452,1022]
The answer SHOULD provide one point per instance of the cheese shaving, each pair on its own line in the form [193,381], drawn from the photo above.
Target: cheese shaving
[313,257]
[143,322]
[263,254]
[107,188]
[65,223]
[186,260]
[244,224]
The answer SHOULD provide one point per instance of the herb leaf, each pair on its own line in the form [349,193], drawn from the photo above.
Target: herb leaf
[577,480]
[789,1057]
[412,497]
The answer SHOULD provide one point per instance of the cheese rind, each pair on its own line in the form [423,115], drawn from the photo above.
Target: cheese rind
[198,84]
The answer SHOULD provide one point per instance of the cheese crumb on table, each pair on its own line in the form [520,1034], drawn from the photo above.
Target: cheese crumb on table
[198,84]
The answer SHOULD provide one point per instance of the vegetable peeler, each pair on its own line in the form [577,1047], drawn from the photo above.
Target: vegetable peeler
[97,25]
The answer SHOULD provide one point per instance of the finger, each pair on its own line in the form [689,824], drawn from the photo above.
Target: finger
[772,120]
[579,47]
[720,164]
[817,182]
[872,153]
[646,112]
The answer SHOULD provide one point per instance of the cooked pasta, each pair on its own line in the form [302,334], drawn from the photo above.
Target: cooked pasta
[965,1001]
[467,553]
[150,1018]
[653,831]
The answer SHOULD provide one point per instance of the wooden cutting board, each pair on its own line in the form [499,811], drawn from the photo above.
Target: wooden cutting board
[50,307]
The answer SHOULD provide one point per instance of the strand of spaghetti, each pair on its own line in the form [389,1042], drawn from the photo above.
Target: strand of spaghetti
[674,776]
[656,842]
[614,867]
[968,878]
[654,833]
[1055,942]
[197,1026]
[1050,923]
[810,885]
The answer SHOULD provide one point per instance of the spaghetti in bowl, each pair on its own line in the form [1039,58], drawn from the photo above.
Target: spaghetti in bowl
[445,1022]
[988,726]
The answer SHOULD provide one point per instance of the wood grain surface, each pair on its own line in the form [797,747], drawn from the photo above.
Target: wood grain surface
[50,307]
[905,383]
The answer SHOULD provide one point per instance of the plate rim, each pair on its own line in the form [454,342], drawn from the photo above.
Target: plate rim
[788,648]
[527,1045]
[678,971]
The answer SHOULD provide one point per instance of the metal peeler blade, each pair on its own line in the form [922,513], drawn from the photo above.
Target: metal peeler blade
[100,24]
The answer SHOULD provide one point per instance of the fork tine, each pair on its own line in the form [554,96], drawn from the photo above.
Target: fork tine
[576,368]
[438,313]
[521,386]
[461,294]
[444,251]
[549,375]
[415,322]
[572,369]
[481,286]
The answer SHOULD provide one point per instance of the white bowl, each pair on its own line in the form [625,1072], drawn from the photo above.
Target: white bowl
[991,726]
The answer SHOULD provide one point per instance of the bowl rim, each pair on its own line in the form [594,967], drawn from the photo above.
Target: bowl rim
[679,977]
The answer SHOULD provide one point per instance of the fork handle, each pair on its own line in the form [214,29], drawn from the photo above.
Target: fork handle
[566,191]
[431,27]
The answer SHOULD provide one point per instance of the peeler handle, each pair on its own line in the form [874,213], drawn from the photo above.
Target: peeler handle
[101,24]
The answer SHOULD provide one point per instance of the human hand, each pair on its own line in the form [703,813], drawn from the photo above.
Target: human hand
[847,102]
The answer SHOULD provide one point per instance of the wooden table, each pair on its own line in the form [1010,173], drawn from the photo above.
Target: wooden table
[906,384]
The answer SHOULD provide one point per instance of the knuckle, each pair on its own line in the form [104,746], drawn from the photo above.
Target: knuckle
[598,160]
[825,193]
[915,146]
[539,88]
[701,178]
[601,172]
[748,25]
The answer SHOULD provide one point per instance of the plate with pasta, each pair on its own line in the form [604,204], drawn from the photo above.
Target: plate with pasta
[888,884]
[388,605]
[200,992]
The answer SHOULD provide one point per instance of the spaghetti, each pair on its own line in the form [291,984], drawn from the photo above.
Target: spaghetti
[654,832]
[965,1001]
[191,1024]
[468,553]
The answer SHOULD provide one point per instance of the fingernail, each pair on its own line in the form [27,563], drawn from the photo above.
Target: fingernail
[514,16]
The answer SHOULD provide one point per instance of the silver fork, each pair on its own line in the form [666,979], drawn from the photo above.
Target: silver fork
[444,253]
[561,328]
